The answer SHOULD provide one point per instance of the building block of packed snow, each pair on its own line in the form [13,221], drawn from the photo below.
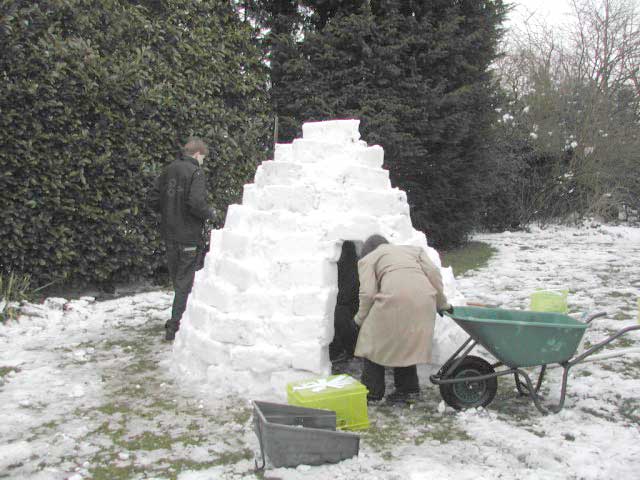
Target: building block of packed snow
[236,273]
[320,153]
[310,302]
[311,356]
[235,244]
[294,198]
[283,152]
[361,177]
[260,358]
[277,173]
[216,292]
[301,273]
[332,131]
[317,329]
[203,348]
[199,314]
[224,381]
[251,220]
[372,157]
[264,302]
[376,202]
[238,329]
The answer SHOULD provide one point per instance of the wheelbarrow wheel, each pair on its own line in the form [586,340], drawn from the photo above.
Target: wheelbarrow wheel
[473,393]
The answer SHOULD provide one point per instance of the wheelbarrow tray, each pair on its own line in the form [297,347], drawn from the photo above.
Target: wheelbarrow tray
[291,435]
[519,338]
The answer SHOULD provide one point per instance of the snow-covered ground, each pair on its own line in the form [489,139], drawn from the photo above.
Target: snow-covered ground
[87,389]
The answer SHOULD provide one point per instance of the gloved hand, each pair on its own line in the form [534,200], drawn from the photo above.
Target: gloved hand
[448,310]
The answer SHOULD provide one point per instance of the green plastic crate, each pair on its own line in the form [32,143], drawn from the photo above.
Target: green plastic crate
[549,301]
[339,393]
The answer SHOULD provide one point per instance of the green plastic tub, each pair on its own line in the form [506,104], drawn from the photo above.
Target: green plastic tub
[520,338]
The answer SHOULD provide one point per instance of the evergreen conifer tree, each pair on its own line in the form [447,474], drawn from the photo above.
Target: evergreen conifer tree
[416,74]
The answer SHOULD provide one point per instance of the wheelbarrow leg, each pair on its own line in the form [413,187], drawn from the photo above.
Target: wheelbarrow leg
[533,392]
[523,389]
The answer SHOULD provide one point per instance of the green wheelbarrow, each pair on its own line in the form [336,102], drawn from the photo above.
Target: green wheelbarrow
[517,339]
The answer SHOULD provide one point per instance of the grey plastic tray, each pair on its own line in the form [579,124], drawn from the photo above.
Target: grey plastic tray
[291,436]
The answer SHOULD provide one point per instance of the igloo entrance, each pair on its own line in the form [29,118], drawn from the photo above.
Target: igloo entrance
[345,333]
[261,311]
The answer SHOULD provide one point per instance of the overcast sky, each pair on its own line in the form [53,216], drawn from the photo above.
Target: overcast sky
[551,11]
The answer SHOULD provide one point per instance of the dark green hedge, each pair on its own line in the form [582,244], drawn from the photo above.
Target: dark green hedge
[96,97]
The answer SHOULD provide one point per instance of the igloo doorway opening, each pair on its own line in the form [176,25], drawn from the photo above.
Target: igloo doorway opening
[347,301]
[260,314]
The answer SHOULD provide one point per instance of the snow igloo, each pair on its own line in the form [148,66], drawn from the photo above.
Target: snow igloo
[260,314]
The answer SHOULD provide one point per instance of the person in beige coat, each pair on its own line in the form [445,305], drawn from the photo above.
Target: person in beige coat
[400,292]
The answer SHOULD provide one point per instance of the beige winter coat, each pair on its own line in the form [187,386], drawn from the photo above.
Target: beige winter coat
[400,290]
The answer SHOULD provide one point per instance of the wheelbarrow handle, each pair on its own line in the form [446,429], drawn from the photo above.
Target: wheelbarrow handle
[590,317]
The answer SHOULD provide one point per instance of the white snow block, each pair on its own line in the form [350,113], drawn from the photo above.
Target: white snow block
[216,292]
[372,157]
[260,358]
[280,379]
[295,246]
[319,153]
[264,302]
[301,273]
[362,177]
[283,152]
[241,275]
[198,314]
[294,198]
[237,329]
[235,244]
[224,381]
[311,356]
[317,329]
[202,347]
[207,350]
[249,220]
[390,202]
[250,195]
[311,302]
[187,363]
[277,173]
[334,131]
[357,227]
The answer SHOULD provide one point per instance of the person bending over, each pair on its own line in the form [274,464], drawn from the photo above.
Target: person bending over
[400,291]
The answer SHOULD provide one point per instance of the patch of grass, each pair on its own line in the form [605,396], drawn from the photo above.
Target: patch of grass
[472,256]
[149,441]
[230,458]
[443,432]
[630,409]
[600,414]
[4,371]
[383,437]
[537,433]
[113,472]
[241,416]
[616,294]
[113,408]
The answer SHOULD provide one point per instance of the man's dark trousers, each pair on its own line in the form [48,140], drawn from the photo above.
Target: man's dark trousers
[182,261]
[405,379]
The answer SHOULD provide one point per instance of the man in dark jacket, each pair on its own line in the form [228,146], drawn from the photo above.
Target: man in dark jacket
[179,194]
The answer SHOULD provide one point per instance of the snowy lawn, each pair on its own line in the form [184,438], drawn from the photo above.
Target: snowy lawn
[87,389]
